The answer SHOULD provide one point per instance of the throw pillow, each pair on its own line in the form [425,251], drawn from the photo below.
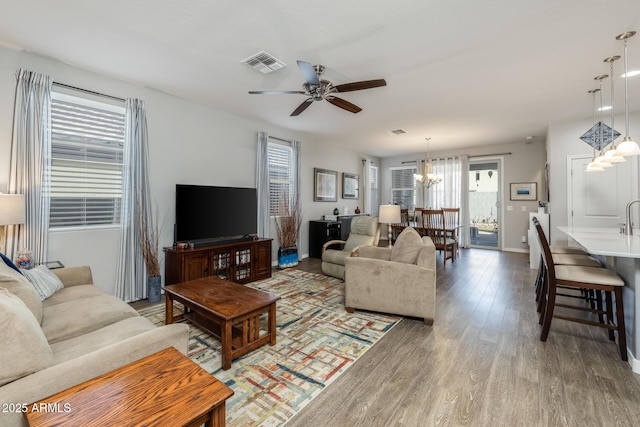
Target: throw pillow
[18,285]
[45,282]
[407,246]
[24,348]
[8,262]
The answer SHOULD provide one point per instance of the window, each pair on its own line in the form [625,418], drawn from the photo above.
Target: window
[87,141]
[403,187]
[373,185]
[280,176]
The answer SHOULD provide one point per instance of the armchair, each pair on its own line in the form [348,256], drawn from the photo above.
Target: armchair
[365,231]
[400,280]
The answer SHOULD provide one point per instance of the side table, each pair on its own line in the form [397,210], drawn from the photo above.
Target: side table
[164,389]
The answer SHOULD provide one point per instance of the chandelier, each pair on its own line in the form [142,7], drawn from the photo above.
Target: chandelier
[427,178]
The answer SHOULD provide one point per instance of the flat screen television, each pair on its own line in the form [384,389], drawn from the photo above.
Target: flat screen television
[208,214]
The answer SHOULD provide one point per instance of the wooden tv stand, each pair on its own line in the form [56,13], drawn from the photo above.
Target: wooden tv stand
[240,262]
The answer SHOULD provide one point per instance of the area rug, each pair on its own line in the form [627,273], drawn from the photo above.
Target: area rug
[317,341]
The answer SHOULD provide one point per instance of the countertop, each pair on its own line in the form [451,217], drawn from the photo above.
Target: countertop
[605,241]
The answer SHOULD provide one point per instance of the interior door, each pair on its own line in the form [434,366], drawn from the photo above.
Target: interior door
[598,199]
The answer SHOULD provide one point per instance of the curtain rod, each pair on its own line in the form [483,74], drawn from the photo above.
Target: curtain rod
[88,91]
[444,158]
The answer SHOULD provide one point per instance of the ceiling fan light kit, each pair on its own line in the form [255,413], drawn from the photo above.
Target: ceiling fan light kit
[317,89]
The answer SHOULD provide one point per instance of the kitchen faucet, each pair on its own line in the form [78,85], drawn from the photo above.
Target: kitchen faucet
[627,224]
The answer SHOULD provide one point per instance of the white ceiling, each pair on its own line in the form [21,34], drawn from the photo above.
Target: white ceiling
[462,72]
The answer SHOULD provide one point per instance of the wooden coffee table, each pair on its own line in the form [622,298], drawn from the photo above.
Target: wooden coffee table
[229,311]
[164,389]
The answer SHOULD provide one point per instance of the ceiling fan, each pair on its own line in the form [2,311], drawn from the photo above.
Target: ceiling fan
[317,89]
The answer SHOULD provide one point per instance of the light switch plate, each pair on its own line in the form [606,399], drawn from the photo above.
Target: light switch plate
[509,208]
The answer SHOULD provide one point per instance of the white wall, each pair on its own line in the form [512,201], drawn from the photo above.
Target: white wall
[524,164]
[563,140]
[189,143]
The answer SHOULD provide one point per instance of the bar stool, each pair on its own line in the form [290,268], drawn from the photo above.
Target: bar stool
[596,279]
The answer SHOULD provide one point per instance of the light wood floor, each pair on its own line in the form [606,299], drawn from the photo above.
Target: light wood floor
[482,362]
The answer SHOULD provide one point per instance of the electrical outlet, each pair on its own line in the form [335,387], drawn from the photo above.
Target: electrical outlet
[524,209]
[509,207]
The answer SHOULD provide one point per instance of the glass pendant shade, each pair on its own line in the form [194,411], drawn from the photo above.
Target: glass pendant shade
[628,147]
[612,156]
[594,167]
[602,162]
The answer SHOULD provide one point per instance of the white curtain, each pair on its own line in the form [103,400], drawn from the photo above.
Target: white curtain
[295,181]
[365,186]
[131,271]
[453,191]
[30,160]
[446,194]
[464,237]
[262,185]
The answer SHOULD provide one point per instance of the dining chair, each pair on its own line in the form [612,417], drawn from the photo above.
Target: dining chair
[451,223]
[433,220]
[417,218]
[576,277]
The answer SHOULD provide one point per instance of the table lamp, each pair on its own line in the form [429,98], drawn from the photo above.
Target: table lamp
[389,214]
[12,212]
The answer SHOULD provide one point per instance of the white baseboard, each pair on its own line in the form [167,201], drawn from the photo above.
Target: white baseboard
[633,362]
[519,250]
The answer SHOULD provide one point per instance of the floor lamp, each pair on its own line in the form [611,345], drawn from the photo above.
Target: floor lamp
[389,214]
[11,213]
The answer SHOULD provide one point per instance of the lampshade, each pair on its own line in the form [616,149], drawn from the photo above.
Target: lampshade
[628,147]
[594,167]
[389,214]
[12,209]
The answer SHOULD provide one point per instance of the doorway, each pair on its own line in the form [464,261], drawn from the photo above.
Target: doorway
[484,203]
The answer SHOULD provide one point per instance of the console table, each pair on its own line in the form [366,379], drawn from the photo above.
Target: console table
[240,262]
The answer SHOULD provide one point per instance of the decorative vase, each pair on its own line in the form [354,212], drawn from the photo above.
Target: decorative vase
[336,211]
[357,210]
[287,256]
[153,288]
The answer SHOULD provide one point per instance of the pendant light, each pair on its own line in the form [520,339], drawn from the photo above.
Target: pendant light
[428,178]
[600,129]
[628,147]
[593,166]
[612,155]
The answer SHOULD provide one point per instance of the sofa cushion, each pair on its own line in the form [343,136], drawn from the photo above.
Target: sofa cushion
[73,293]
[24,348]
[407,246]
[92,341]
[76,317]
[43,280]
[18,285]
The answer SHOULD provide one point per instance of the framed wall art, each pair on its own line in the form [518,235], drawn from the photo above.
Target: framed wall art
[349,185]
[325,185]
[524,191]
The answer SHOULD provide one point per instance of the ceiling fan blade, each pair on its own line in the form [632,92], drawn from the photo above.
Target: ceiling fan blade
[302,107]
[365,84]
[345,105]
[308,72]
[275,92]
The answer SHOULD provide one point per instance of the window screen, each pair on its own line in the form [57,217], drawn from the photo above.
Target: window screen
[403,187]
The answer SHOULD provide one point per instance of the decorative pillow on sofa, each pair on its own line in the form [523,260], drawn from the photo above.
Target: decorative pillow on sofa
[45,282]
[18,285]
[7,261]
[407,246]
[24,348]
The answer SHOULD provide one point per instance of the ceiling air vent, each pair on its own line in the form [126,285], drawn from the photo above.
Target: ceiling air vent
[264,62]
[397,132]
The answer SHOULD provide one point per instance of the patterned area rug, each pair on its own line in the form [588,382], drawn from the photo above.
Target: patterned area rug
[317,341]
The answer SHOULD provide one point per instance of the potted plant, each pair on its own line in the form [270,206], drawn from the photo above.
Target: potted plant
[288,224]
[148,236]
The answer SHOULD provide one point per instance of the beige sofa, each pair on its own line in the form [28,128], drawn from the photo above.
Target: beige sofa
[401,280]
[75,334]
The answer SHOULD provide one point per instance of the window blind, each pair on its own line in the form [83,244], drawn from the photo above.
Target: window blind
[87,141]
[373,183]
[403,187]
[279,175]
